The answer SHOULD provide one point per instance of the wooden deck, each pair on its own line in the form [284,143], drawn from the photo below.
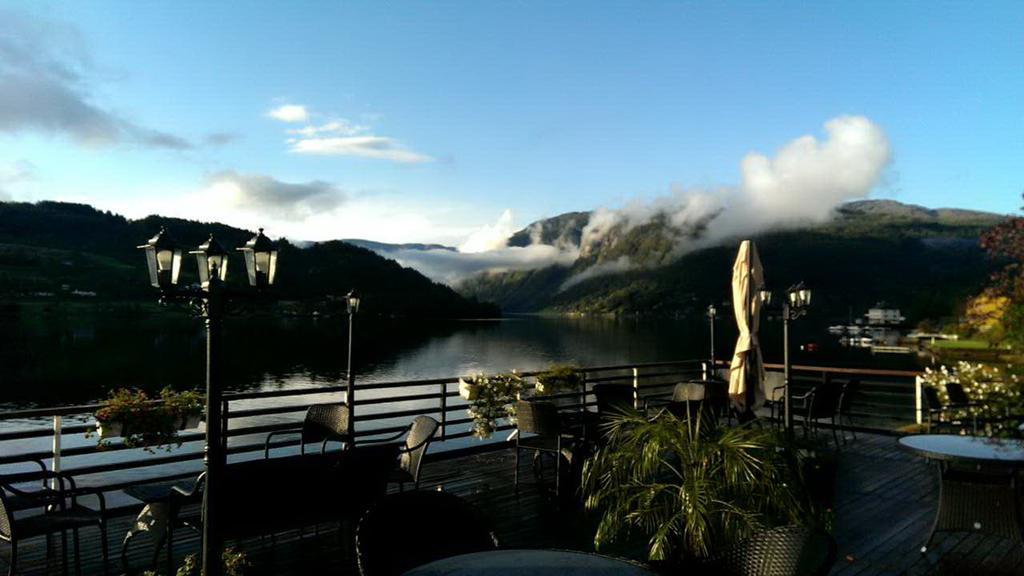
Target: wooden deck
[885,506]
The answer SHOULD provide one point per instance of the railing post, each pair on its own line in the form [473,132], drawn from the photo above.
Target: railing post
[636,388]
[224,425]
[704,371]
[57,432]
[918,408]
[444,410]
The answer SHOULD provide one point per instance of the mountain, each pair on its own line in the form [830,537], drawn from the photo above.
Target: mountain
[54,249]
[385,247]
[924,261]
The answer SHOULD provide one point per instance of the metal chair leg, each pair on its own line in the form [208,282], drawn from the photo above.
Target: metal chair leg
[78,552]
[14,556]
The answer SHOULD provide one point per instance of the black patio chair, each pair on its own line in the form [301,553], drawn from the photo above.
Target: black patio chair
[849,390]
[418,436]
[774,388]
[323,423]
[409,529]
[960,401]
[817,404]
[58,512]
[783,551]
[542,420]
[939,413]
[612,399]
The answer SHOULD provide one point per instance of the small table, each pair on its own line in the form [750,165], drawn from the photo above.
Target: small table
[533,562]
[978,499]
[155,516]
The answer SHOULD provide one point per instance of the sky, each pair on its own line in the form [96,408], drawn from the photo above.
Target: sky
[458,122]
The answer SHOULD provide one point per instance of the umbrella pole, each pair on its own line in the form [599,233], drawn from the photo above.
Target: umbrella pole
[787,390]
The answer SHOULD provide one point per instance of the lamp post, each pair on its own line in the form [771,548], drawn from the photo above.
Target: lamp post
[352,302]
[794,305]
[712,313]
[210,300]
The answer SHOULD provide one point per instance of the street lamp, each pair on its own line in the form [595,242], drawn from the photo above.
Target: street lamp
[798,298]
[712,314]
[352,302]
[163,257]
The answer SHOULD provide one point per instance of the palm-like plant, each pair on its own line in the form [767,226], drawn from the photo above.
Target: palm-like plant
[690,488]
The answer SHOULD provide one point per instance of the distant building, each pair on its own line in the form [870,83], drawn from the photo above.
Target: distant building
[882,315]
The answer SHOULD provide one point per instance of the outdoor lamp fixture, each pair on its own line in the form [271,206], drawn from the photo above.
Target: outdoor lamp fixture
[765,296]
[798,299]
[260,260]
[163,258]
[212,259]
[352,302]
[712,314]
[211,301]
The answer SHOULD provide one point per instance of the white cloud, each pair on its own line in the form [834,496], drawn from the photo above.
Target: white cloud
[290,113]
[451,267]
[377,147]
[45,81]
[272,198]
[340,127]
[13,173]
[490,237]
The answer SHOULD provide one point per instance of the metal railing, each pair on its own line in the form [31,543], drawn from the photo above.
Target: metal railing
[380,408]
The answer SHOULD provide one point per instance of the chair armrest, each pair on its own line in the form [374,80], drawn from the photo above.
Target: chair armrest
[266,443]
[425,441]
[74,492]
[179,492]
[403,432]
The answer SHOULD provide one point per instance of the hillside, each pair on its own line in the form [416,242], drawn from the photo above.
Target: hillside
[53,249]
[924,261]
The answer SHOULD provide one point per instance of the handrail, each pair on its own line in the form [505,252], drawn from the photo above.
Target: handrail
[251,421]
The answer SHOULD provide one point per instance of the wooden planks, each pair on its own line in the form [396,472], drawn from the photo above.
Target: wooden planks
[885,505]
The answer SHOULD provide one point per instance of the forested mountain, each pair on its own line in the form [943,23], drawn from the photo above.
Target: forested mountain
[54,249]
[924,261]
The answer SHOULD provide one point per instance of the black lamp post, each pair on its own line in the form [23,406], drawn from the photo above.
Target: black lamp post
[794,305]
[352,302]
[163,255]
[712,314]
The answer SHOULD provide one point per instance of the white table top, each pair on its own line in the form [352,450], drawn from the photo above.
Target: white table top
[531,562]
[977,449]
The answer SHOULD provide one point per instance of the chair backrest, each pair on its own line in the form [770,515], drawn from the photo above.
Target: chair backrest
[772,386]
[848,391]
[783,551]
[826,400]
[6,516]
[931,396]
[325,421]
[409,529]
[612,398]
[539,418]
[420,435]
[957,394]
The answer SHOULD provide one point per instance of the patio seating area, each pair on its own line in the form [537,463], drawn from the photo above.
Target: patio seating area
[885,505]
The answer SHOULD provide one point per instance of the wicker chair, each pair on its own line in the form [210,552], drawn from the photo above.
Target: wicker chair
[783,551]
[406,530]
[938,413]
[59,512]
[612,398]
[774,388]
[418,436]
[542,420]
[323,423]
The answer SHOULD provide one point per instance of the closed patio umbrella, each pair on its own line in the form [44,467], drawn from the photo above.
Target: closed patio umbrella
[747,369]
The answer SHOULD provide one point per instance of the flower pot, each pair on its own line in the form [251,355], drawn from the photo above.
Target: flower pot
[111,429]
[190,421]
[468,390]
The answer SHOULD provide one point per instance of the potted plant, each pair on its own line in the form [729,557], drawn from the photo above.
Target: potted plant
[122,410]
[689,489]
[145,423]
[558,379]
[491,398]
[185,407]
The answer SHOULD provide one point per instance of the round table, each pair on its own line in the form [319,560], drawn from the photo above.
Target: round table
[978,479]
[532,562]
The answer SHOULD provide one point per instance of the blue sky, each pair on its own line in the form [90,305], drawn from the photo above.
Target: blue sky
[435,118]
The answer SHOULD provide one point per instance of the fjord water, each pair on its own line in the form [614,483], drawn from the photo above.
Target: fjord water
[51,357]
